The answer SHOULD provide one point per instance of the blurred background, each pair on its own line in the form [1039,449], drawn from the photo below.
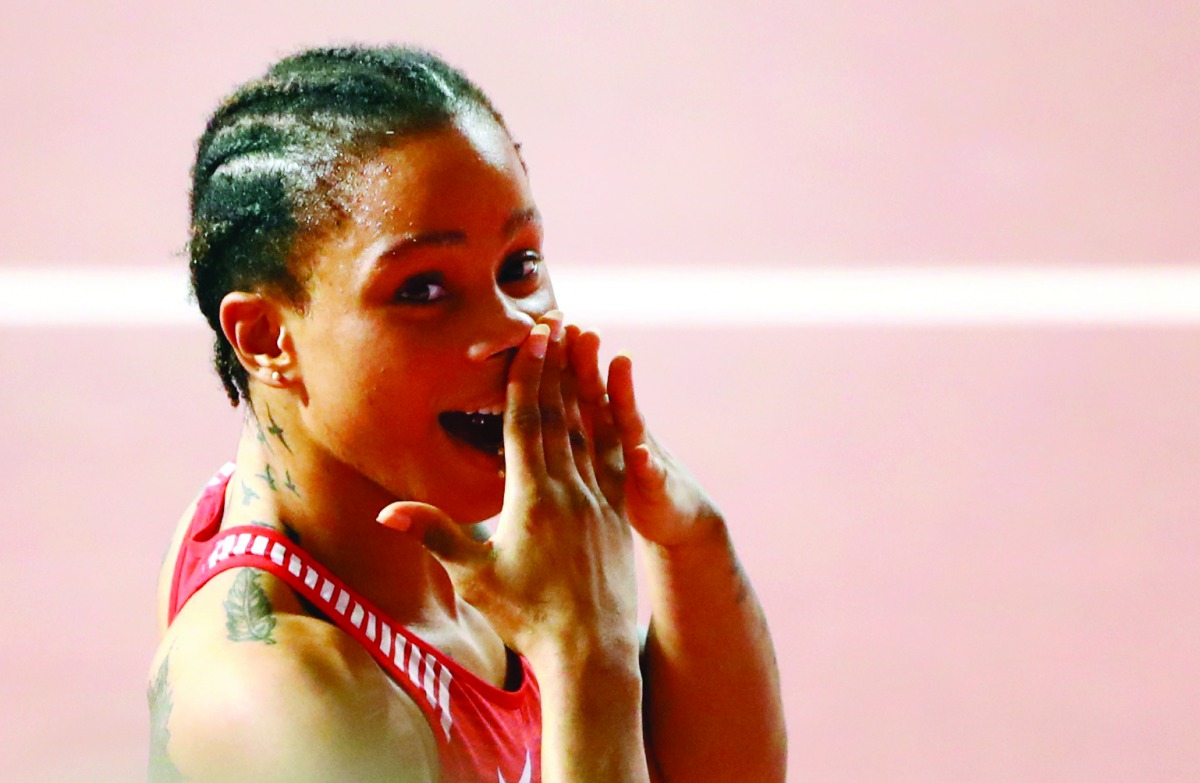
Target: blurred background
[976,540]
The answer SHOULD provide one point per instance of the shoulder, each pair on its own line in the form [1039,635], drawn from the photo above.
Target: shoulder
[246,687]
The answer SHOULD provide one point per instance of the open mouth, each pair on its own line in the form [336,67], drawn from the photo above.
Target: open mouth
[482,430]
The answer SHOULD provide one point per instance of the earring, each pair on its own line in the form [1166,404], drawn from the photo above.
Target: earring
[275,376]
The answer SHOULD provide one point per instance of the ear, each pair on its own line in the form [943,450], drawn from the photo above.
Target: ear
[256,326]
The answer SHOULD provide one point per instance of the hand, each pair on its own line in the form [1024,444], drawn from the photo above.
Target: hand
[558,574]
[661,499]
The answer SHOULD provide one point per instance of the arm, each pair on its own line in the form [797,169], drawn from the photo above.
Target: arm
[713,705]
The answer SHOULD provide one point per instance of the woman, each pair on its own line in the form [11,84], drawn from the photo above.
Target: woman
[366,248]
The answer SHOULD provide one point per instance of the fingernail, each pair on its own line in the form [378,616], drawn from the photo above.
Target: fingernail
[539,337]
[557,324]
[399,522]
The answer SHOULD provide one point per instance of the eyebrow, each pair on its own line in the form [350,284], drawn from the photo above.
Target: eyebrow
[426,239]
[521,218]
[515,222]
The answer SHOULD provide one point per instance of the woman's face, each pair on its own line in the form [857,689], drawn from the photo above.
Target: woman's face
[417,302]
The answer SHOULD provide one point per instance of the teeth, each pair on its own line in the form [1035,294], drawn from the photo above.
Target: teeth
[491,410]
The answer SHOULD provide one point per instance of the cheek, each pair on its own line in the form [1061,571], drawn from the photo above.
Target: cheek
[372,421]
[358,384]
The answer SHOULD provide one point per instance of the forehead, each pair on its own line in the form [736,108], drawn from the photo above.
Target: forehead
[437,179]
[465,178]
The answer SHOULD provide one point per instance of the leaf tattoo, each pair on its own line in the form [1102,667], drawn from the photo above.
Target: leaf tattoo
[162,768]
[249,616]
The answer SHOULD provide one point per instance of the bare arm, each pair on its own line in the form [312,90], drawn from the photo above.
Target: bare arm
[713,703]
[713,706]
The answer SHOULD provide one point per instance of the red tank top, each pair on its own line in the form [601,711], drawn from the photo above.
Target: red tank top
[483,733]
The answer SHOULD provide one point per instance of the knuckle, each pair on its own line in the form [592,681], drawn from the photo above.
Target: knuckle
[582,505]
[527,419]
[552,416]
[614,464]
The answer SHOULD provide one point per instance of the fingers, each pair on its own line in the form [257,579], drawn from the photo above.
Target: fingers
[577,429]
[606,460]
[523,415]
[648,471]
[637,447]
[552,404]
[445,539]
[585,362]
[630,426]
[609,459]
[555,440]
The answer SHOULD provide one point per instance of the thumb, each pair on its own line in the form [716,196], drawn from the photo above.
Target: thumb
[448,541]
[649,472]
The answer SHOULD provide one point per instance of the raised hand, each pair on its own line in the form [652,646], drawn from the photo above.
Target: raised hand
[558,572]
[705,722]
[661,499]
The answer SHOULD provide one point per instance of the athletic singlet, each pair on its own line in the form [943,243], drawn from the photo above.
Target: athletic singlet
[483,733]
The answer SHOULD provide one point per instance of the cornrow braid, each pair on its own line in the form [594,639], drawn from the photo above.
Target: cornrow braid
[268,160]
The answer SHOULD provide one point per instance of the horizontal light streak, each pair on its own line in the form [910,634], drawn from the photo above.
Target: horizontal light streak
[691,297]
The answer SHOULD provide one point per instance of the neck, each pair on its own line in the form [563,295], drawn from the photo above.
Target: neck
[329,509]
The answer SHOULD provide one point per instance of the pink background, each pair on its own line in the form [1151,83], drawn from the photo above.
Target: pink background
[977,547]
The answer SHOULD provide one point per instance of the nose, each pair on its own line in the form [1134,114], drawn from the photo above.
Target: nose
[503,325]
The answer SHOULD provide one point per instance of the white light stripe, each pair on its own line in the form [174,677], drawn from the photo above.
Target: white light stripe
[688,297]
[76,297]
[901,296]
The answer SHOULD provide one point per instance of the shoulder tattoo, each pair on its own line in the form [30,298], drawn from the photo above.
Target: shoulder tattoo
[162,768]
[249,616]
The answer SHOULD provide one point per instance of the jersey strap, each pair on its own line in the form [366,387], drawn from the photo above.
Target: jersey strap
[480,729]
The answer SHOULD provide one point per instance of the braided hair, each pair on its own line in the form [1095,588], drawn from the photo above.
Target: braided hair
[270,156]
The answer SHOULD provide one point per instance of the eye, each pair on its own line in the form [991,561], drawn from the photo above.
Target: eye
[425,288]
[519,266]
